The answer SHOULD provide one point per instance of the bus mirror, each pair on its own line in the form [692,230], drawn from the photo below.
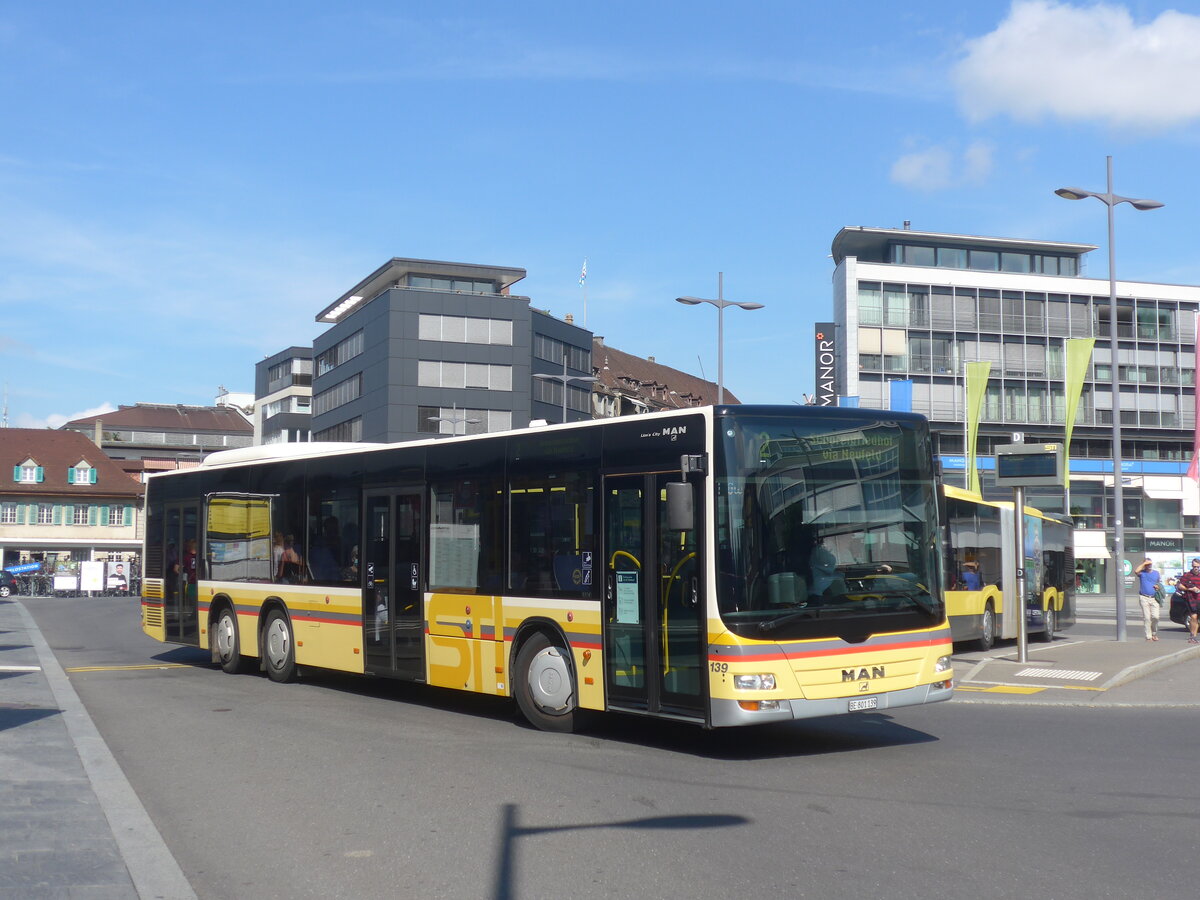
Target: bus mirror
[681,511]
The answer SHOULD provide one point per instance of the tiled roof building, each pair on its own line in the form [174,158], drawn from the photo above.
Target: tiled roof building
[160,436]
[61,495]
[629,385]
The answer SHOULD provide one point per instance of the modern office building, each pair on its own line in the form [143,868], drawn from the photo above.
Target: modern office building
[283,396]
[421,347]
[912,308]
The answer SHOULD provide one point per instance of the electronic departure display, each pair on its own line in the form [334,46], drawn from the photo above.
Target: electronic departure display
[1029,465]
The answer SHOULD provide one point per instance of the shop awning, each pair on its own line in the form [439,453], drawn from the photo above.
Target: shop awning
[1091,544]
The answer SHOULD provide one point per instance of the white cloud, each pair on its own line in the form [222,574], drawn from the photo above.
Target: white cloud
[1084,63]
[940,167]
[57,420]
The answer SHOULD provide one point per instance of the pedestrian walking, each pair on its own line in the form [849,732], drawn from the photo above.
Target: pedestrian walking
[1148,587]
[1188,587]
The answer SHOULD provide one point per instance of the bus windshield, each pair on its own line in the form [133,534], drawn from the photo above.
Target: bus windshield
[827,527]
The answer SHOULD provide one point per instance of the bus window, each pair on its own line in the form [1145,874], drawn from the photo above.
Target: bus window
[333,513]
[238,541]
[465,547]
[551,535]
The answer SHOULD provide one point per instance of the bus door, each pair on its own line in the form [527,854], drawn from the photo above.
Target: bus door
[181,569]
[392,560]
[654,603]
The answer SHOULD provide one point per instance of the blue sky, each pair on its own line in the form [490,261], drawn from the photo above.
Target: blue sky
[184,186]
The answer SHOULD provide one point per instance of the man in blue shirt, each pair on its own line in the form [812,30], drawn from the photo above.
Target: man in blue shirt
[1147,580]
[971,579]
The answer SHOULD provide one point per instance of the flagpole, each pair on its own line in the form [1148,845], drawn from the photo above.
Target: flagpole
[583,284]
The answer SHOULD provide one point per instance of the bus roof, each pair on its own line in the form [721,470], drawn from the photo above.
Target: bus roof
[307,450]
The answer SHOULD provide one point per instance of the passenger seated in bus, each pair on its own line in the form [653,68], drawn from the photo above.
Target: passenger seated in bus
[970,578]
[826,579]
[325,551]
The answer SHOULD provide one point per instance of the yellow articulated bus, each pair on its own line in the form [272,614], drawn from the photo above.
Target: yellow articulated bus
[729,566]
[982,570]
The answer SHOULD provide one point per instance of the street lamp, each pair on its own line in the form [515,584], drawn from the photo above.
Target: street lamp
[1109,199]
[566,379]
[720,303]
[454,418]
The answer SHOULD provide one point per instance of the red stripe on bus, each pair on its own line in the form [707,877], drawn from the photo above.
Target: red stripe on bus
[845,651]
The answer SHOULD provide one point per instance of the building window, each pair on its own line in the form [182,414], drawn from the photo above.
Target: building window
[45,514]
[465,330]
[547,390]
[437,420]
[552,350]
[8,514]
[338,395]
[81,474]
[349,432]
[435,373]
[459,285]
[116,515]
[81,514]
[339,353]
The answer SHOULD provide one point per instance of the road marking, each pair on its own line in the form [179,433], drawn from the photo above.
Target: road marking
[20,668]
[1002,689]
[1076,674]
[127,668]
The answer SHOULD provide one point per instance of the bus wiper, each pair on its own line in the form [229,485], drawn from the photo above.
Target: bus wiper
[918,599]
[768,625]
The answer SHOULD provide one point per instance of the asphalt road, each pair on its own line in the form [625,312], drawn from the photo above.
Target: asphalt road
[341,787]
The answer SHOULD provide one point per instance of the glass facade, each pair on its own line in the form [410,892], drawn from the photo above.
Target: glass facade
[925,333]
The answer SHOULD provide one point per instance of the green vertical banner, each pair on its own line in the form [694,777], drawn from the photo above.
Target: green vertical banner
[1079,354]
[977,379]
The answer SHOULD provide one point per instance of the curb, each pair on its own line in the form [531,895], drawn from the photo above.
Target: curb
[1136,671]
[151,865]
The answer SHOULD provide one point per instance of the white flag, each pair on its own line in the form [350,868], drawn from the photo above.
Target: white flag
[583,271]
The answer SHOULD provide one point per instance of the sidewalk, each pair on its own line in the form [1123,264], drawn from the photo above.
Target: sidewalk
[70,824]
[1092,671]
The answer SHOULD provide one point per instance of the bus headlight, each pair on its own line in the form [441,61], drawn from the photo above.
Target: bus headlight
[754,682]
[943,664]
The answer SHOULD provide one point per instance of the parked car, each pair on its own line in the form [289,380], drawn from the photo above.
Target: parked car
[1179,609]
[8,583]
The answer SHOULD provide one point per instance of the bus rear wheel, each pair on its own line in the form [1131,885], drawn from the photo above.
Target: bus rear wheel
[227,643]
[1049,621]
[544,684]
[987,633]
[279,651]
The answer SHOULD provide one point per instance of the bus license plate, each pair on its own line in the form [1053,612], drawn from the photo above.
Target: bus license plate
[864,703]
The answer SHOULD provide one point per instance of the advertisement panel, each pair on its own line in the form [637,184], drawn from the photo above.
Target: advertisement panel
[824,354]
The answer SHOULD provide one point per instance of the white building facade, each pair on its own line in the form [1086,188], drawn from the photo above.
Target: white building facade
[912,308]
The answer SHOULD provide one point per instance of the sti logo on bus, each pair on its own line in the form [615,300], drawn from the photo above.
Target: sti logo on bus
[863,674]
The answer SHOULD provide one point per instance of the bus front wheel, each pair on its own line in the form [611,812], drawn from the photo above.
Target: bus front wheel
[545,685]
[227,643]
[278,648]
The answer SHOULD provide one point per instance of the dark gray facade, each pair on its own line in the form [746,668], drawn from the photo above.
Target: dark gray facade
[422,347]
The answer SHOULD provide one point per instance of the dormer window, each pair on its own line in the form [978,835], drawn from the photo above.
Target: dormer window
[81,473]
[29,472]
